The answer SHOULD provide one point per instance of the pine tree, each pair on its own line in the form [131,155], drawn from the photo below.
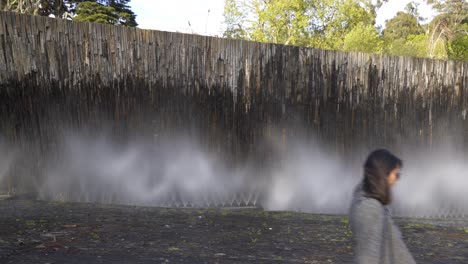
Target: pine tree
[116,12]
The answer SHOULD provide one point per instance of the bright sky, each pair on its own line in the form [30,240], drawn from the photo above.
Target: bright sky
[205,17]
[389,10]
[175,15]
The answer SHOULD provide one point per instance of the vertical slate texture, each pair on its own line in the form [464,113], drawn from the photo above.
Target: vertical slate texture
[58,76]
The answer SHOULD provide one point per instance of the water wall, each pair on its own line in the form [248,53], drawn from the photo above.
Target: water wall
[100,113]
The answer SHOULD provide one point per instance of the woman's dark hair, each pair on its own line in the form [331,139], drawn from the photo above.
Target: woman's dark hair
[378,166]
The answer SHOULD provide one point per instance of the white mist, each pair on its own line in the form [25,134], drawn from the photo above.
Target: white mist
[7,158]
[305,177]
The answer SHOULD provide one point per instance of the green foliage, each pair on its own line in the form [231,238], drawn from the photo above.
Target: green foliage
[320,24]
[337,18]
[233,19]
[363,39]
[280,22]
[345,221]
[350,25]
[30,7]
[458,48]
[58,8]
[452,7]
[404,36]
[125,14]
[437,49]
[451,26]
[94,236]
[416,46]
[116,12]
[412,8]
[97,13]
[35,7]
[401,26]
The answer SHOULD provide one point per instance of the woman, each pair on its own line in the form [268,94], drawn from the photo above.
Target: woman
[376,239]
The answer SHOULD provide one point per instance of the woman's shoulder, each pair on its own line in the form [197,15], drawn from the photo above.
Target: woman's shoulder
[366,212]
[366,205]
[370,204]
[360,198]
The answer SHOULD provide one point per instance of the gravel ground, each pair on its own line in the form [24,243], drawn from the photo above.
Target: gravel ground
[34,231]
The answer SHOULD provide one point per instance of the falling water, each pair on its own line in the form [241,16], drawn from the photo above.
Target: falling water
[306,177]
[97,117]
[7,159]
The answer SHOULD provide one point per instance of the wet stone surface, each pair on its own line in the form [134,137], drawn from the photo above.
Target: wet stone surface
[49,232]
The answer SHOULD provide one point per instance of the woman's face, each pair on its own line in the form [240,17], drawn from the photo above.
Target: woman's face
[393,176]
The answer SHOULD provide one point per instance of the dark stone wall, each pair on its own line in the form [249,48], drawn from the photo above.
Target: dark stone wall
[58,76]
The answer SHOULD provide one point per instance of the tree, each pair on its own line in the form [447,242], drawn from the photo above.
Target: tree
[458,48]
[412,8]
[363,39]
[234,20]
[333,20]
[126,16]
[97,13]
[420,46]
[281,22]
[119,8]
[21,6]
[450,26]
[320,24]
[276,21]
[404,36]
[401,26]
[57,8]
[115,12]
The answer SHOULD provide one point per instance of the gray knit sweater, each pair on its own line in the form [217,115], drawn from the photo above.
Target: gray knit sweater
[376,239]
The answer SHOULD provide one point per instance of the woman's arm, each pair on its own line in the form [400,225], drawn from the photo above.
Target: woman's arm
[367,224]
[400,250]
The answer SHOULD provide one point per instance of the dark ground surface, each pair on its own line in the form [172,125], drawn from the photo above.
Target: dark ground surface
[50,232]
